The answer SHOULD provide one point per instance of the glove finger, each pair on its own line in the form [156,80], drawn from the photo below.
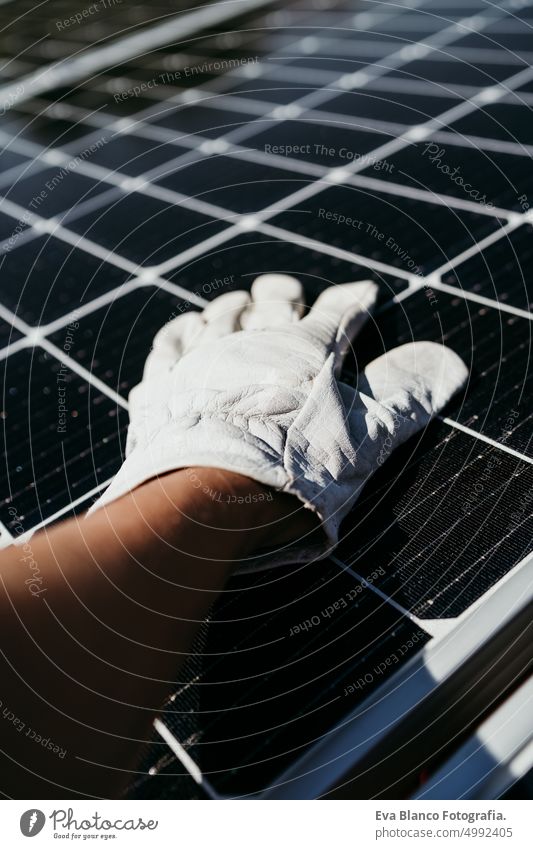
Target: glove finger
[415,380]
[339,313]
[277,299]
[171,342]
[223,315]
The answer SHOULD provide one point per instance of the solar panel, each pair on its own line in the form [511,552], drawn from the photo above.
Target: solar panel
[362,140]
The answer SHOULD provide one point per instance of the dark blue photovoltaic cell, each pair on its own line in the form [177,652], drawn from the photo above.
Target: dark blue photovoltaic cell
[506,121]
[10,159]
[236,184]
[95,101]
[10,228]
[31,124]
[502,272]
[192,120]
[71,450]
[270,89]
[493,37]
[329,145]
[114,341]
[396,107]
[8,333]
[54,190]
[408,234]
[145,230]
[47,278]
[467,173]
[134,155]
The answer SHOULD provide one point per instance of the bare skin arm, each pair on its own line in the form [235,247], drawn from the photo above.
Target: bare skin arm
[86,664]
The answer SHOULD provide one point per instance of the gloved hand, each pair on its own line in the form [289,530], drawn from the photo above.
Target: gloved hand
[251,386]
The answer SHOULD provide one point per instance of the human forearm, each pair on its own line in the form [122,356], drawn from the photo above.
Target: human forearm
[93,656]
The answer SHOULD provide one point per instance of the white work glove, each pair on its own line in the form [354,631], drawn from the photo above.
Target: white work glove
[250,386]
